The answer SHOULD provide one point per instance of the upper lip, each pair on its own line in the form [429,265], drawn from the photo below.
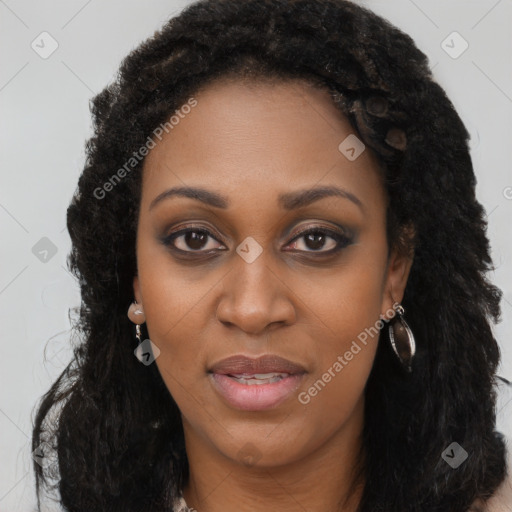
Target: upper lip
[267,363]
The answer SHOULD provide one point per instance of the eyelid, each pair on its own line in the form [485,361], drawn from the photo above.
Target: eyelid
[338,234]
[342,238]
[312,227]
[169,239]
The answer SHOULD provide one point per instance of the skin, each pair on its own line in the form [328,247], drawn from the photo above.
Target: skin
[250,143]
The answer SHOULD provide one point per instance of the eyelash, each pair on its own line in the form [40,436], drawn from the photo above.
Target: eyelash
[341,239]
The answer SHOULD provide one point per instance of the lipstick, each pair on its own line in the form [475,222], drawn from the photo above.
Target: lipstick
[256,384]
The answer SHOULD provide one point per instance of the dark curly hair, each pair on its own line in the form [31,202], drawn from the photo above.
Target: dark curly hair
[117,432]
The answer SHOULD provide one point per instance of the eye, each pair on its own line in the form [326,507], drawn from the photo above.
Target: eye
[196,240]
[315,239]
[190,238]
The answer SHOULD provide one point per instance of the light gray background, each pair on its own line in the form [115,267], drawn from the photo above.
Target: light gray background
[44,124]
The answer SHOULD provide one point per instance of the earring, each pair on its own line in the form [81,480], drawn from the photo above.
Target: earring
[136,309]
[135,314]
[138,334]
[401,337]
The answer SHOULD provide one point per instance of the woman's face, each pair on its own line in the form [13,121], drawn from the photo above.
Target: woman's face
[243,281]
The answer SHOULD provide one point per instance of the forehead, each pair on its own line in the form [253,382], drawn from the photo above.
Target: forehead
[250,139]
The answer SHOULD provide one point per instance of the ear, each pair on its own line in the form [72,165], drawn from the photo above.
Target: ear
[136,290]
[397,274]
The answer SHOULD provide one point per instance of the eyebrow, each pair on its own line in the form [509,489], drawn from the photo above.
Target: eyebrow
[288,201]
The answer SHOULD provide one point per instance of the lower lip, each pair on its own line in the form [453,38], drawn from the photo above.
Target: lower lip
[256,397]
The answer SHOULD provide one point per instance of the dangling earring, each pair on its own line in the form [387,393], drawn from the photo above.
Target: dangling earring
[138,334]
[401,337]
[136,311]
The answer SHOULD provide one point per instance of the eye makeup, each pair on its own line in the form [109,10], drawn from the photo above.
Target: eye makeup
[189,241]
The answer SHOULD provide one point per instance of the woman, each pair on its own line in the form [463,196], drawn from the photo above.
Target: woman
[282,201]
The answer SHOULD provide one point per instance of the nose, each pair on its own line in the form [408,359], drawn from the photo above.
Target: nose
[256,298]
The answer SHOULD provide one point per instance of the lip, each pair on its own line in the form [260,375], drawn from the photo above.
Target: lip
[266,363]
[256,397]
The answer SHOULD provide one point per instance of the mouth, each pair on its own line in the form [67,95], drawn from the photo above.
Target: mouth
[258,378]
[255,384]
[265,364]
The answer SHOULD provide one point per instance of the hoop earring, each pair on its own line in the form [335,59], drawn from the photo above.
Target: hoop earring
[138,333]
[401,337]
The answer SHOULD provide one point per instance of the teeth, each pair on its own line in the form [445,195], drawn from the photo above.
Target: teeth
[258,378]
[257,375]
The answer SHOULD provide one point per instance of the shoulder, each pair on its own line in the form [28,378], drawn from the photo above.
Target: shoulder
[501,500]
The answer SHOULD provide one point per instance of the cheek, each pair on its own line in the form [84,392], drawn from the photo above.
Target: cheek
[172,293]
[347,300]
[176,324]
[348,311]
[174,309]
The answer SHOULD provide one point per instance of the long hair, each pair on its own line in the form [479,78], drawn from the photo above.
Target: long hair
[110,421]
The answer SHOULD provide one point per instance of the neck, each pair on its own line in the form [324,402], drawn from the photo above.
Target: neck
[319,481]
